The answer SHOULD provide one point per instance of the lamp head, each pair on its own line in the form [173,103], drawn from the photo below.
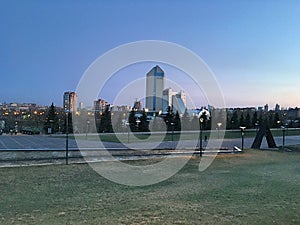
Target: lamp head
[242,128]
[203,113]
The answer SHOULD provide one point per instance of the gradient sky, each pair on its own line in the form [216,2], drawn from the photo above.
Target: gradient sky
[253,47]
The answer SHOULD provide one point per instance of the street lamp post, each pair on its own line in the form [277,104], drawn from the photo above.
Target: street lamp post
[203,116]
[59,127]
[16,127]
[128,127]
[87,128]
[243,134]
[36,119]
[256,126]
[51,126]
[172,125]
[278,123]
[219,126]
[138,122]
[283,136]
[201,120]
[67,137]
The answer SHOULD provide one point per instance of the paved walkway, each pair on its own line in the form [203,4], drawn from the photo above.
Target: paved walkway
[31,142]
[20,150]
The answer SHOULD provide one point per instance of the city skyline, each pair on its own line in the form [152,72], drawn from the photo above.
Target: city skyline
[117,97]
[253,47]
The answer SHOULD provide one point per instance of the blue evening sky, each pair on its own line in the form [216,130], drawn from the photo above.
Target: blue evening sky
[253,47]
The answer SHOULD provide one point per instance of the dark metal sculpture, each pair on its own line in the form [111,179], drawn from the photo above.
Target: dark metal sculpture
[264,130]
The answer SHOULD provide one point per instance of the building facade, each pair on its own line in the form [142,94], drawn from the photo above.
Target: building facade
[168,98]
[176,100]
[137,105]
[69,101]
[155,81]
[100,105]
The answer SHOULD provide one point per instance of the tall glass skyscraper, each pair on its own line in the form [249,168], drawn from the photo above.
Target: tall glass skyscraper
[155,82]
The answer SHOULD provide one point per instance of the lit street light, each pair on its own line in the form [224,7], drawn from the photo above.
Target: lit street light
[203,117]
[67,137]
[283,136]
[256,126]
[16,127]
[87,127]
[172,125]
[50,130]
[278,123]
[201,120]
[219,126]
[242,133]
[138,122]
[128,127]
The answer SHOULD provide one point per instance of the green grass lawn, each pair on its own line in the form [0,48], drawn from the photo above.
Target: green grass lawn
[256,187]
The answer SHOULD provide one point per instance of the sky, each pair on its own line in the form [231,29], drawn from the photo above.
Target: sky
[252,47]
[135,80]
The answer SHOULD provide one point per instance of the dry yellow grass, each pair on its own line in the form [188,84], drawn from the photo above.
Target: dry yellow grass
[257,187]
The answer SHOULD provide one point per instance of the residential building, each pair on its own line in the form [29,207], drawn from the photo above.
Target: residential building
[100,105]
[69,101]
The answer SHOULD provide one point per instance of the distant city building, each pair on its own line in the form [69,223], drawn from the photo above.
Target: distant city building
[80,107]
[277,107]
[168,98]
[182,95]
[100,105]
[137,105]
[177,101]
[293,113]
[154,89]
[69,101]
[259,108]
[122,108]
[266,108]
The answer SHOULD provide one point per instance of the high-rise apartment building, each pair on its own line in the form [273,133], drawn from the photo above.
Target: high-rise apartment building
[154,89]
[80,106]
[266,108]
[69,101]
[177,101]
[100,105]
[167,98]
[182,96]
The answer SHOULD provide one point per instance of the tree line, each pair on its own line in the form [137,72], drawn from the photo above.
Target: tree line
[137,121]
